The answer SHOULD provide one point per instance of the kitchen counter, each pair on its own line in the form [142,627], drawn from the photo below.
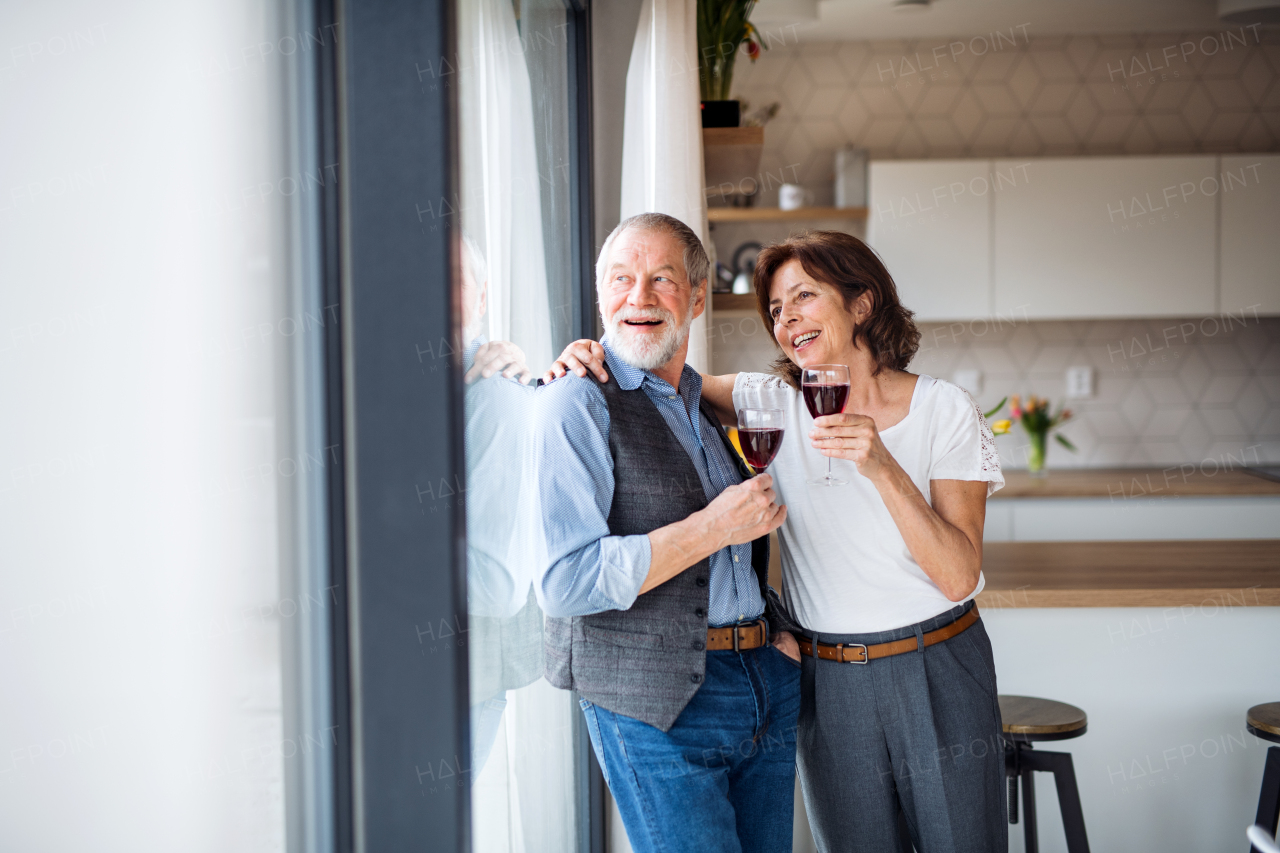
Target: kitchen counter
[1222,573]
[1124,483]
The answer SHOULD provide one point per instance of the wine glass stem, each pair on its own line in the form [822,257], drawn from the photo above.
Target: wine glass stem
[829,477]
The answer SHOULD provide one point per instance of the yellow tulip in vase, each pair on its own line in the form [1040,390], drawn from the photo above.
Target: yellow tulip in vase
[1037,423]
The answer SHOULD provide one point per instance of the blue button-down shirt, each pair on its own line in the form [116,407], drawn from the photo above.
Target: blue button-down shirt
[588,570]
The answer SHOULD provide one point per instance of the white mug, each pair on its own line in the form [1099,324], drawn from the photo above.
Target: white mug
[792,196]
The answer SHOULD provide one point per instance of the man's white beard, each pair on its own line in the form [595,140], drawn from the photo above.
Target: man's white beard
[646,352]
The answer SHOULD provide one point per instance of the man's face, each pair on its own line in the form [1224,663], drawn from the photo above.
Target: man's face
[474,298]
[646,299]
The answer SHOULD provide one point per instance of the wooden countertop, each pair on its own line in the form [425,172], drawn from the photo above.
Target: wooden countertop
[1124,483]
[1201,573]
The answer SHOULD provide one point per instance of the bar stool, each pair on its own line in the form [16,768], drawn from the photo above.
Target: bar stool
[1264,721]
[1027,719]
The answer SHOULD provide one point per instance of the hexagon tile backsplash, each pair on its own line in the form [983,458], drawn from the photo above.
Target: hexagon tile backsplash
[1023,95]
[1204,391]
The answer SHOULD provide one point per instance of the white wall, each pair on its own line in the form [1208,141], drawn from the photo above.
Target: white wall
[140,279]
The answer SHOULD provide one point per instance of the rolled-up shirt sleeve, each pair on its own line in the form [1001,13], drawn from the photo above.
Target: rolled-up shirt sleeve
[586,570]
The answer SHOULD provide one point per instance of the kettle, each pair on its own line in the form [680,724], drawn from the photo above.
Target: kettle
[744,261]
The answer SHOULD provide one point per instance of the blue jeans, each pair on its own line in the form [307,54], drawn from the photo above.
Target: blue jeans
[722,780]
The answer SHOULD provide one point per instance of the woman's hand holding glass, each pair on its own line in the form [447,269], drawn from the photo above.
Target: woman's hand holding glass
[852,437]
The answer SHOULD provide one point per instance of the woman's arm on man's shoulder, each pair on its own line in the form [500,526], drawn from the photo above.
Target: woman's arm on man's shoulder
[718,392]
[585,355]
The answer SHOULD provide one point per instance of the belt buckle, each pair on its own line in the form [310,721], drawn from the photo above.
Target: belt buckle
[866,657]
[735,640]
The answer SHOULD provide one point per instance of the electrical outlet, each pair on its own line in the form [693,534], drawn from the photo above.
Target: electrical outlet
[969,379]
[1079,383]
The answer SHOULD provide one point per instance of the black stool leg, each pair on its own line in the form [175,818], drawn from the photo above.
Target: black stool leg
[1064,774]
[1011,776]
[1029,831]
[1269,797]
[1069,801]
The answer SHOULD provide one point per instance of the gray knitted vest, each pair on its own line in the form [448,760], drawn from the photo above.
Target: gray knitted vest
[648,661]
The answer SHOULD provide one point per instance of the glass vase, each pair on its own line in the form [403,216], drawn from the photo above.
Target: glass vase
[1035,455]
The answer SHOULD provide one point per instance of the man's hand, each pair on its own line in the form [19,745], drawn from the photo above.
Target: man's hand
[579,356]
[739,514]
[786,643]
[498,356]
[745,512]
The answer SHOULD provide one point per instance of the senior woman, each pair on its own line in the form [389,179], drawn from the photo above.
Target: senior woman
[898,687]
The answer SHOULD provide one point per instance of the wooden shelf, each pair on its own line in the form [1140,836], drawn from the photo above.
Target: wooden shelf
[734,301]
[775,214]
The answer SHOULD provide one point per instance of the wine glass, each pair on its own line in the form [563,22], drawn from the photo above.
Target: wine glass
[826,390]
[760,435]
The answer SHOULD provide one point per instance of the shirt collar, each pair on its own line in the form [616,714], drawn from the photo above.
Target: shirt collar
[630,378]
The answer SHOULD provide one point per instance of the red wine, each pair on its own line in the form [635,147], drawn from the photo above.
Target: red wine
[760,446]
[825,399]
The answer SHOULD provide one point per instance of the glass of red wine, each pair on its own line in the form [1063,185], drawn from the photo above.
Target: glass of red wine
[760,434]
[826,390]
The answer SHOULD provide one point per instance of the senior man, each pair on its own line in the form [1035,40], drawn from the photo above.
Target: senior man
[655,579]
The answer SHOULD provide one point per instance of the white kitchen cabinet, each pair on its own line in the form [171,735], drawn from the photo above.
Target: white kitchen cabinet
[930,221]
[1102,237]
[1250,227]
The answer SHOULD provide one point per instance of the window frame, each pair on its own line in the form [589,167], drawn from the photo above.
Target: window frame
[383,106]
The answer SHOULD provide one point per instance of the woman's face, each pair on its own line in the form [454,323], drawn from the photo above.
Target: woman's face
[810,321]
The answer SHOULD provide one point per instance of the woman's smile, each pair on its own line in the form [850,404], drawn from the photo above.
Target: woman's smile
[802,339]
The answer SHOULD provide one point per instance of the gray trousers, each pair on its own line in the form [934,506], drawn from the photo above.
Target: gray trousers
[920,731]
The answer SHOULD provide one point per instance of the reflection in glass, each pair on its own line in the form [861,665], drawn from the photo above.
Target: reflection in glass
[514,241]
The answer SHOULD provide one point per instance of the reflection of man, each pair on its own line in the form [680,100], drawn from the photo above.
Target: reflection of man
[504,623]
[657,554]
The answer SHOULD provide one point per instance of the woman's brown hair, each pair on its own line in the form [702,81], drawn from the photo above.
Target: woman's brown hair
[845,262]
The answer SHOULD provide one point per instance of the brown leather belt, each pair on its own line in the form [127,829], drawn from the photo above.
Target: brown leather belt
[858,653]
[740,638]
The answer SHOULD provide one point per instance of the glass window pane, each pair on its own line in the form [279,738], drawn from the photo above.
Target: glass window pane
[516,241]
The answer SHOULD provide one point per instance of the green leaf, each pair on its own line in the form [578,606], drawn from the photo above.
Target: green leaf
[998,407]
[1062,439]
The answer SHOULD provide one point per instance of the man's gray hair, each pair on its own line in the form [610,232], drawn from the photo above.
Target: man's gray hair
[696,264]
[475,259]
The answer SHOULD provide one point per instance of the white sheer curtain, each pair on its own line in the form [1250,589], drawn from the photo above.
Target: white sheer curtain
[500,201]
[662,138]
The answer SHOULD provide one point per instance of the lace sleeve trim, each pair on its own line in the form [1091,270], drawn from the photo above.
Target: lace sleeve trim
[990,454]
[761,382]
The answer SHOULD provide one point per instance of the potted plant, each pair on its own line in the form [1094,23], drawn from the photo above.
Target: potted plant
[722,29]
[1037,423]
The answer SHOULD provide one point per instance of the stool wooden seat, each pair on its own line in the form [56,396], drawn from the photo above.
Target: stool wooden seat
[1026,719]
[1031,718]
[1264,721]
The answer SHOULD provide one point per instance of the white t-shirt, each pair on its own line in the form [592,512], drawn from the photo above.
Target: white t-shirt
[845,567]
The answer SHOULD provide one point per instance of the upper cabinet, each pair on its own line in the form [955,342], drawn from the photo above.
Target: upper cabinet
[1084,237]
[1250,234]
[1091,237]
[930,221]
